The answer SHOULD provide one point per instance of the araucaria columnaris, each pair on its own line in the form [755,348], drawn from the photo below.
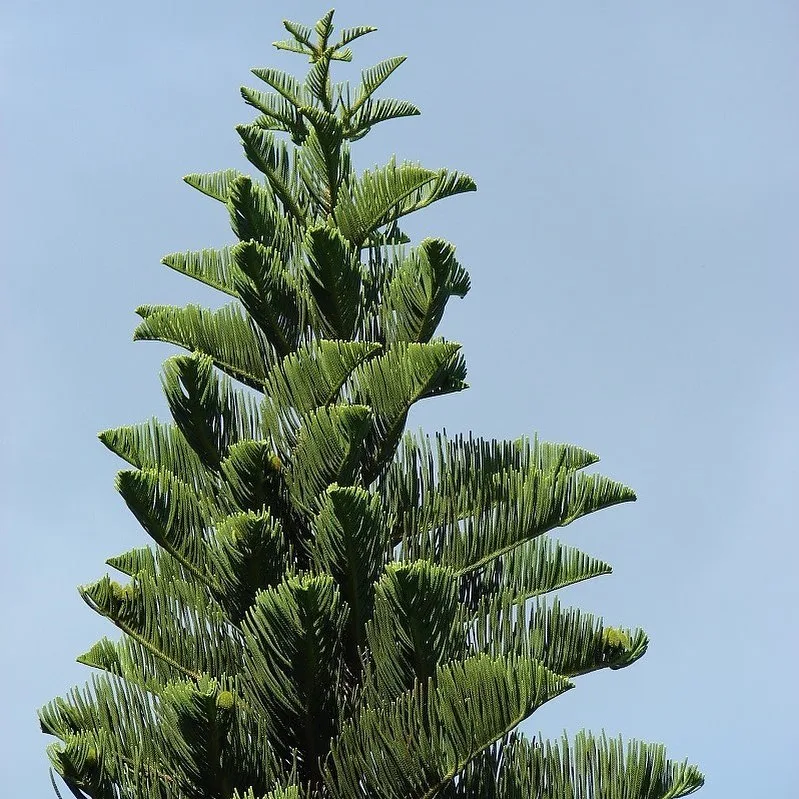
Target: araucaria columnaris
[334,607]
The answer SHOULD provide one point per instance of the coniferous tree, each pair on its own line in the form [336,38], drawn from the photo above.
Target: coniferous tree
[334,607]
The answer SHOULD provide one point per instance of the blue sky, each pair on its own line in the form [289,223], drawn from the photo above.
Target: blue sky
[633,249]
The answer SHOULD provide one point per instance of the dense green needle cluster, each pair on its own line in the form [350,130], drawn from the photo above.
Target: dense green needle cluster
[334,607]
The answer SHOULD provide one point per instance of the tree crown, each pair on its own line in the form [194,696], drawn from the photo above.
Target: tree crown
[334,607]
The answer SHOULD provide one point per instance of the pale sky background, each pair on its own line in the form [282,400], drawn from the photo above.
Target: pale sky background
[633,250]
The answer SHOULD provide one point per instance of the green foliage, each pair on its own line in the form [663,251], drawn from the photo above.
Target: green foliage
[419,743]
[333,608]
[350,543]
[294,641]
[417,293]
[417,626]
[584,768]
[333,276]
[226,336]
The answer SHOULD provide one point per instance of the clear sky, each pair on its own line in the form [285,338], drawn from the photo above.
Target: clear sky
[633,249]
